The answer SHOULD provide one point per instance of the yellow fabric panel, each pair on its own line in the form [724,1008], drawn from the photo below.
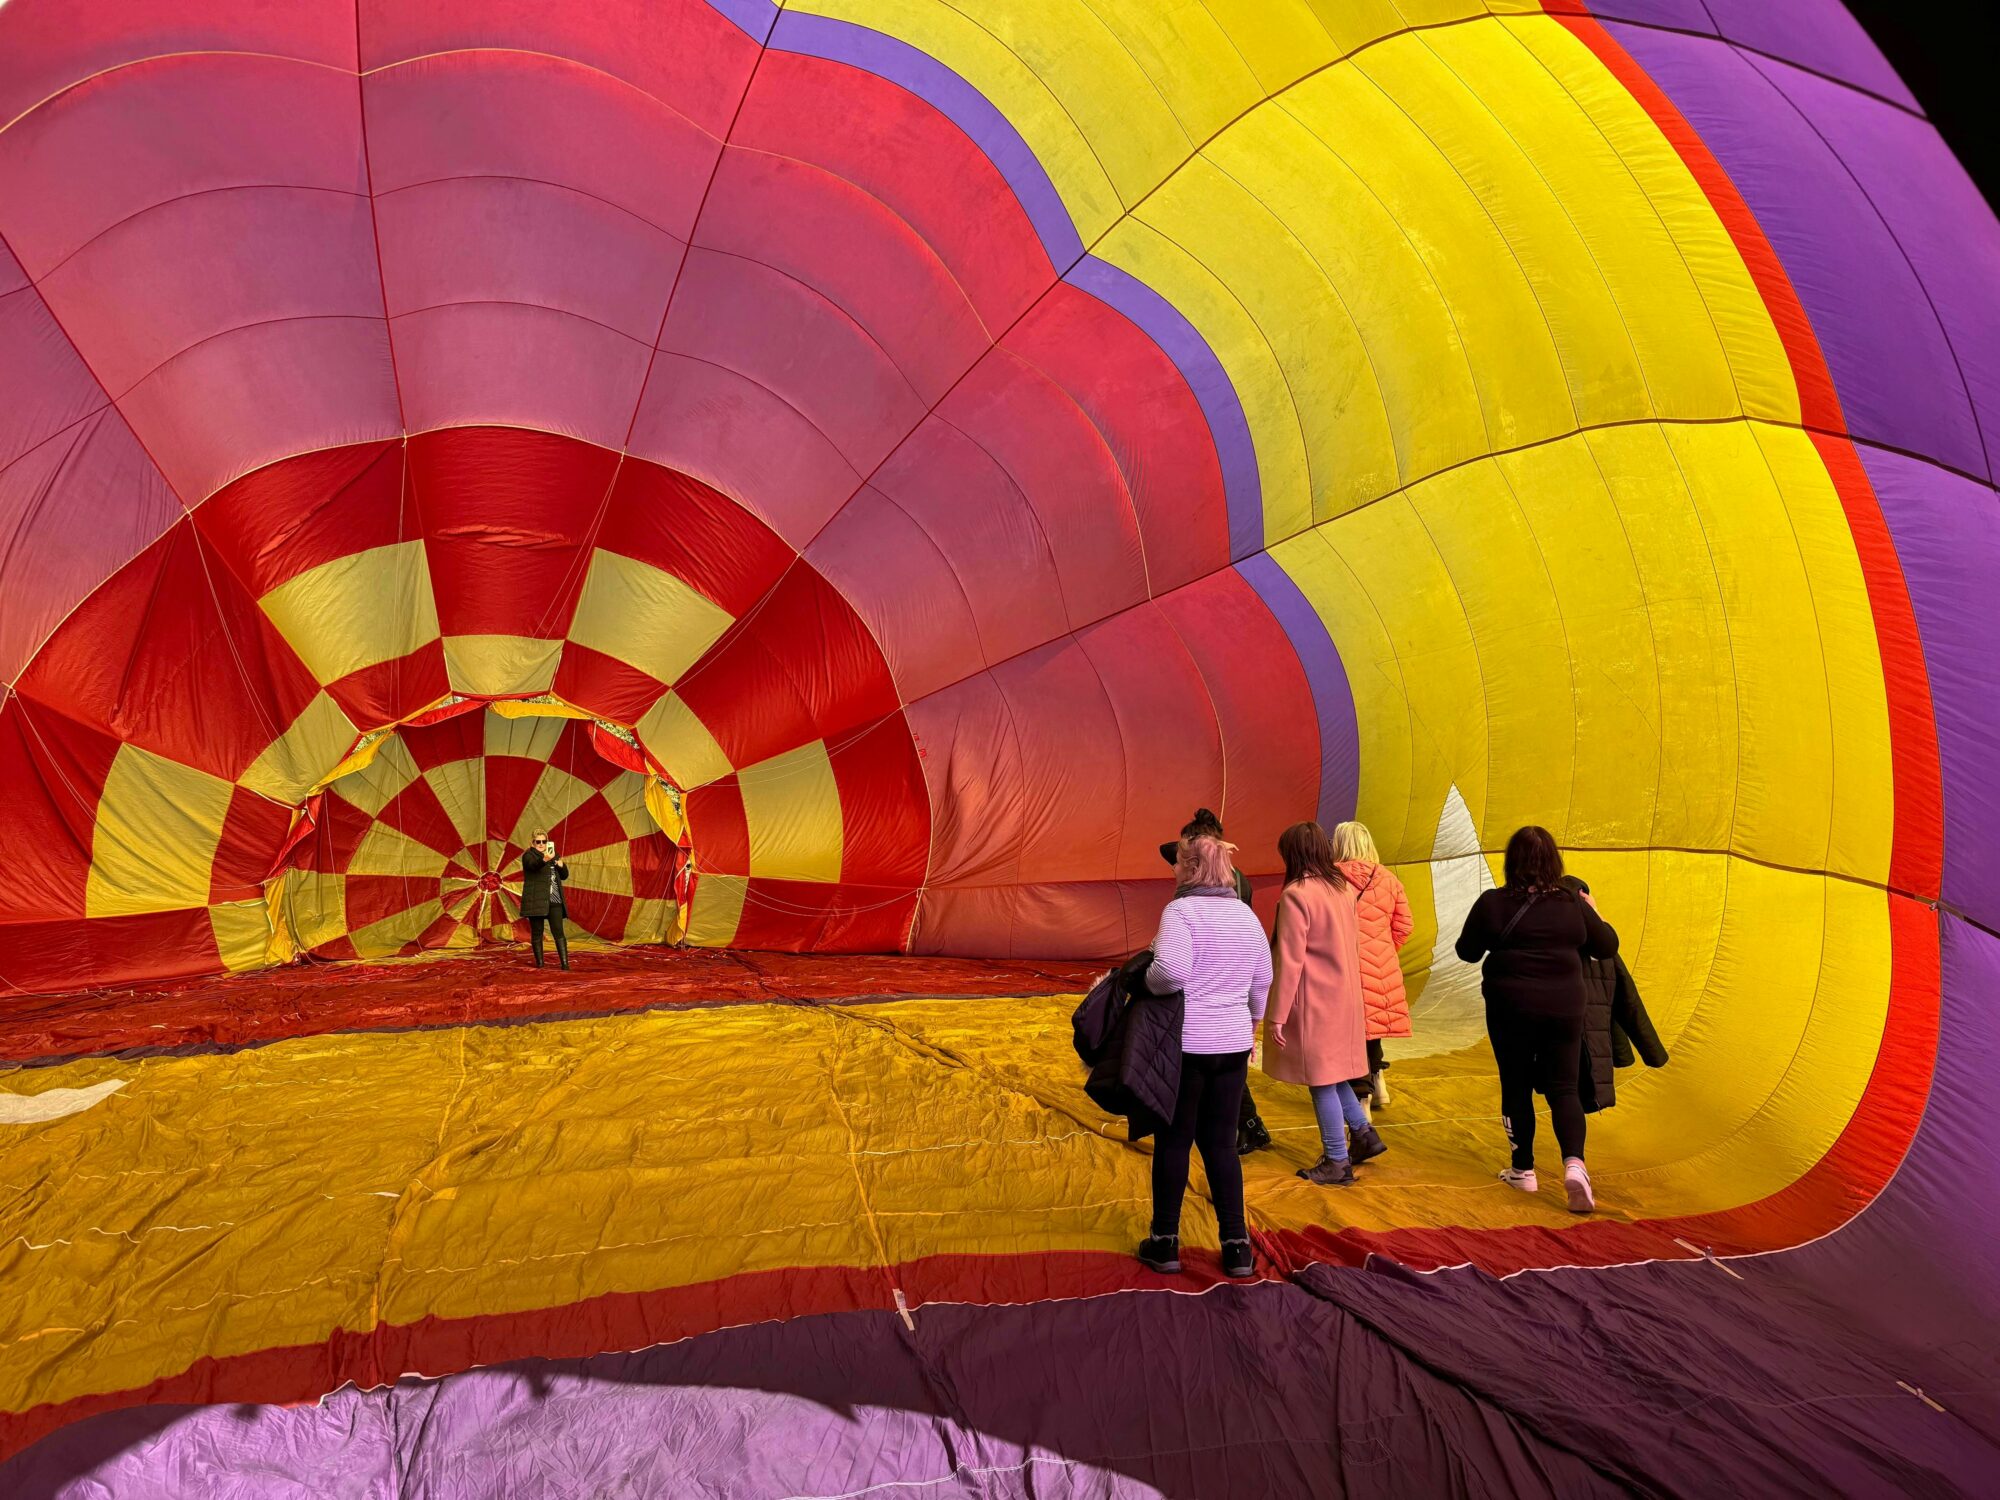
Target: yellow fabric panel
[1188,60]
[544,707]
[1757,359]
[1312,398]
[1503,600]
[1279,40]
[652,921]
[1244,348]
[298,759]
[242,934]
[1864,790]
[1582,547]
[1609,233]
[158,824]
[679,741]
[530,736]
[357,611]
[483,666]
[791,805]
[481,1170]
[981,52]
[630,797]
[1357,23]
[389,934]
[1383,721]
[717,910]
[607,868]
[385,851]
[1404,330]
[643,615]
[460,786]
[314,906]
[557,794]
[385,770]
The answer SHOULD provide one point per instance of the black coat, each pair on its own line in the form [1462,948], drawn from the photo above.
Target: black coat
[541,884]
[1131,1040]
[1615,1023]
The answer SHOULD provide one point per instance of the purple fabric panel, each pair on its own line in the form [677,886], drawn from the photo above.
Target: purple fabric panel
[964,105]
[1816,34]
[752,17]
[1941,223]
[1897,380]
[1947,532]
[1253,1393]
[1681,15]
[1163,323]
[1333,698]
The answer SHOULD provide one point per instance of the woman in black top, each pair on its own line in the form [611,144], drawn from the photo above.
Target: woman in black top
[1534,935]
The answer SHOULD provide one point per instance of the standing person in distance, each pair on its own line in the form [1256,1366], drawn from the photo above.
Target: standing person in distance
[1251,1132]
[1211,948]
[1386,924]
[1534,934]
[1316,1032]
[542,877]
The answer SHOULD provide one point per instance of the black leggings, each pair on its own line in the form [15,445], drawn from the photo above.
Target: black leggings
[1537,1054]
[1204,1117]
[555,922]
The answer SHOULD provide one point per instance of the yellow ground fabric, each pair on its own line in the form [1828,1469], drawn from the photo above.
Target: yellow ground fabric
[224,1204]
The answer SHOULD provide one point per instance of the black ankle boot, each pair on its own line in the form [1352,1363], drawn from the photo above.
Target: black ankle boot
[1366,1145]
[1239,1260]
[1252,1136]
[1162,1253]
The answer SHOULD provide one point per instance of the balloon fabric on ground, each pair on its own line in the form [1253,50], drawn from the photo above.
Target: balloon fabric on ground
[859,473]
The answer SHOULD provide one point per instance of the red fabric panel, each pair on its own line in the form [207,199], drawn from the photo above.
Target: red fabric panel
[460,737]
[717,829]
[604,685]
[1034,430]
[684,53]
[591,826]
[173,656]
[797,915]
[68,954]
[917,162]
[782,335]
[1096,919]
[374,898]
[271,526]
[416,812]
[338,831]
[54,772]
[1150,421]
[872,266]
[510,783]
[506,514]
[579,752]
[800,667]
[391,691]
[884,807]
[1264,707]
[655,862]
[681,526]
[252,834]
[597,912]
[622,757]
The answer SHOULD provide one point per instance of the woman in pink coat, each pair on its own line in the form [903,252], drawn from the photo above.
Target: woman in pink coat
[1386,925]
[1314,1022]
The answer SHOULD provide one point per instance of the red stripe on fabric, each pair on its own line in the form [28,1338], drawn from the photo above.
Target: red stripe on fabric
[1819,404]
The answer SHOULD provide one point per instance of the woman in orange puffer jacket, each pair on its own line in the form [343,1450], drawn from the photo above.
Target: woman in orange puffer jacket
[1386,925]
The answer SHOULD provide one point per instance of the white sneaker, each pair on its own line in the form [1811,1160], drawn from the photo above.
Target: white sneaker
[1381,1081]
[1524,1181]
[1576,1182]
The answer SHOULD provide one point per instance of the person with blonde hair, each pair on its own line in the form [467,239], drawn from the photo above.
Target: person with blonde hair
[1315,1034]
[1383,910]
[1211,948]
[542,877]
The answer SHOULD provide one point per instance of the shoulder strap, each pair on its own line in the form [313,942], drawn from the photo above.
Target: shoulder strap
[1519,912]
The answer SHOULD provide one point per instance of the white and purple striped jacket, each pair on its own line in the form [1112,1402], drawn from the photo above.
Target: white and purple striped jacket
[1213,950]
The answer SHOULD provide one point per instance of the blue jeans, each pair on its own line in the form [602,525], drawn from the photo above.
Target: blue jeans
[1338,1111]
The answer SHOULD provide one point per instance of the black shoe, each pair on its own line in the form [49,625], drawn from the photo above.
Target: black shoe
[1252,1136]
[1367,1145]
[1239,1260]
[1326,1172]
[1162,1253]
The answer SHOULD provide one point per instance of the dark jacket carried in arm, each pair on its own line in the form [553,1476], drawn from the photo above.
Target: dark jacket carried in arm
[1615,1025]
[1131,1040]
[541,884]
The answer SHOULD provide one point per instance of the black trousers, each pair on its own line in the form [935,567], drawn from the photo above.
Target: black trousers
[1537,1055]
[554,920]
[1205,1117]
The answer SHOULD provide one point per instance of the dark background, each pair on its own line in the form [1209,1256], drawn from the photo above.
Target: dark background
[1945,53]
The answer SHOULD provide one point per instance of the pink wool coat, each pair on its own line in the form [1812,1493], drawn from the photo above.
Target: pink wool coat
[1386,925]
[1316,988]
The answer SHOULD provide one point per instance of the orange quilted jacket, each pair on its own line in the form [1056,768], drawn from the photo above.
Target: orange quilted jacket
[1385,926]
